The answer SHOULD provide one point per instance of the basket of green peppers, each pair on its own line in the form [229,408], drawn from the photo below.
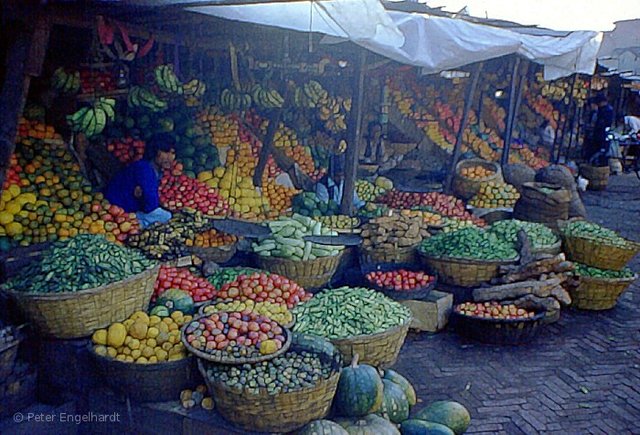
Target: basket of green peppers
[596,246]
[467,257]
[599,289]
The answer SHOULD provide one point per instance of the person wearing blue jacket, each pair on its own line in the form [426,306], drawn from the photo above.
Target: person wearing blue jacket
[331,186]
[135,187]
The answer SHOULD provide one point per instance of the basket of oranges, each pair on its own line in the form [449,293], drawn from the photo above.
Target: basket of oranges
[471,173]
[213,245]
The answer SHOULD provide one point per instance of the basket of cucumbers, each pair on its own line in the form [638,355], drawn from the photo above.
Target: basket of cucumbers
[599,289]
[590,244]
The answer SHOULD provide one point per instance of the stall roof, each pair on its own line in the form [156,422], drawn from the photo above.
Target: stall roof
[620,50]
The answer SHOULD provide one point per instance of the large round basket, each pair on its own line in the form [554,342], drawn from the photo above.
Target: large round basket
[595,254]
[370,257]
[598,293]
[498,331]
[398,295]
[598,176]
[465,187]
[463,272]
[78,314]
[202,310]
[379,350]
[283,412]
[218,254]
[158,382]
[310,274]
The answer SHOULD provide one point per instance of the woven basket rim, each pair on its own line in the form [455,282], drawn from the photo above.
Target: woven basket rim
[241,360]
[555,245]
[73,295]
[539,315]
[288,260]
[461,260]
[608,280]
[133,366]
[377,335]
[631,245]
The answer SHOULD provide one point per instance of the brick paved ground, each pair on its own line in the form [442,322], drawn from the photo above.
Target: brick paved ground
[582,374]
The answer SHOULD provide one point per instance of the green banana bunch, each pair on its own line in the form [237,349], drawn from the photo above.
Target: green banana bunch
[266,98]
[68,83]
[141,97]
[167,79]
[194,88]
[232,100]
[92,120]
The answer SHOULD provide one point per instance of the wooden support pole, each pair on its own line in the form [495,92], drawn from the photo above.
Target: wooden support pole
[457,149]
[25,57]
[508,133]
[354,135]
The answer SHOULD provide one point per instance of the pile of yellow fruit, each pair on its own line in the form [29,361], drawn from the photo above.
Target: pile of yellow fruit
[429,218]
[237,189]
[276,312]
[223,128]
[476,172]
[12,208]
[287,139]
[279,196]
[495,195]
[143,339]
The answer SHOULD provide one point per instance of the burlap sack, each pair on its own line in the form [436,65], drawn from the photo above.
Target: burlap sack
[517,174]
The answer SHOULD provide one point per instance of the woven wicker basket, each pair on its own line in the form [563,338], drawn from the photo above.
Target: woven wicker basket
[159,382]
[498,331]
[219,254]
[379,350]
[78,314]
[282,412]
[374,256]
[463,272]
[554,249]
[310,274]
[598,176]
[598,293]
[596,254]
[466,188]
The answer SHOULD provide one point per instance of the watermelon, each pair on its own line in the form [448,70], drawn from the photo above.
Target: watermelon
[406,386]
[360,390]
[395,406]
[421,427]
[322,427]
[176,300]
[369,425]
[451,414]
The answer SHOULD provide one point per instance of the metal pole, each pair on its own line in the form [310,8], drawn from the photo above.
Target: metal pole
[457,149]
[512,103]
[354,134]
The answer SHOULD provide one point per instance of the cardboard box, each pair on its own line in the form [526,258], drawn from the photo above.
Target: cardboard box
[432,313]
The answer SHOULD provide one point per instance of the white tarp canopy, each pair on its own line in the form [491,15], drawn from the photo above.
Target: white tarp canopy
[620,50]
[434,43]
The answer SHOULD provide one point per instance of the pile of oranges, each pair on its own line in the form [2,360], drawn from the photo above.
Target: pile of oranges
[476,172]
[212,239]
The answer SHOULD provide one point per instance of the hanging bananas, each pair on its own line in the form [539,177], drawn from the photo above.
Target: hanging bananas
[92,120]
[232,100]
[194,88]
[141,97]
[266,98]
[68,83]
[167,80]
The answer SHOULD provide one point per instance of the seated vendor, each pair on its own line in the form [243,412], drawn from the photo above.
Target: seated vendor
[135,187]
[331,185]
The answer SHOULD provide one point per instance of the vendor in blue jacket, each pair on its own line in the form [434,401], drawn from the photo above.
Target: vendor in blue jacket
[135,187]
[331,186]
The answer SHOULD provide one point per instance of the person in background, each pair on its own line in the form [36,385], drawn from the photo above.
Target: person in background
[331,186]
[631,124]
[591,114]
[135,187]
[604,121]
[547,134]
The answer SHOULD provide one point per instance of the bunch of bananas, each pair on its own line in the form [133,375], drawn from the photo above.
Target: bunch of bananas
[194,88]
[231,99]
[266,98]
[92,120]
[69,83]
[167,80]
[333,111]
[309,95]
[140,97]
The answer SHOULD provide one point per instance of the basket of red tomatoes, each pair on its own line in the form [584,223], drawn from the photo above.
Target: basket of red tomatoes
[400,281]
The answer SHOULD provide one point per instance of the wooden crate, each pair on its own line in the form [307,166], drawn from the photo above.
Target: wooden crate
[432,313]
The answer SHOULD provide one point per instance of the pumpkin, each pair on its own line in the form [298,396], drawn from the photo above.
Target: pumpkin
[421,427]
[360,390]
[395,406]
[406,386]
[176,300]
[369,425]
[322,427]
[451,414]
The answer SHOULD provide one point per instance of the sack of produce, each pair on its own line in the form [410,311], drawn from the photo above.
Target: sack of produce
[356,320]
[83,284]
[470,173]
[544,203]
[560,175]
[517,174]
